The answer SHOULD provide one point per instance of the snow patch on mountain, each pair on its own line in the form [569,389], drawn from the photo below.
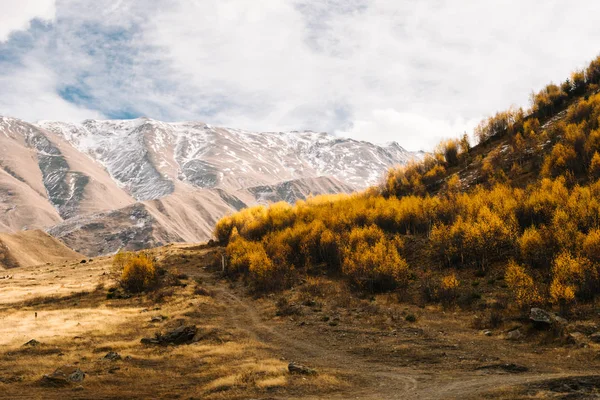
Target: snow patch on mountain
[146,156]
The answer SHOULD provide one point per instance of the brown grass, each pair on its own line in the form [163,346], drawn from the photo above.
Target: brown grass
[361,347]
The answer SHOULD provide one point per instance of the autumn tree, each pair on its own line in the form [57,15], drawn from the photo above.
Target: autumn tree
[522,286]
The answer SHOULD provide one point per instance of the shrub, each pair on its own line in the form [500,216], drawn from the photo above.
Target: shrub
[524,290]
[475,241]
[250,259]
[573,276]
[567,271]
[449,150]
[139,273]
[238,253]
[533,248]
[594,169]
[264,275]
[561,159]
[449,289]
[372,261]
[591,245]
[562,294]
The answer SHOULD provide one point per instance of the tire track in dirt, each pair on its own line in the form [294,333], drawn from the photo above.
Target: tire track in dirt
[398,384]
[377,381]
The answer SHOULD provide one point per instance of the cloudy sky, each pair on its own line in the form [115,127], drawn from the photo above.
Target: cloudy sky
[379,70]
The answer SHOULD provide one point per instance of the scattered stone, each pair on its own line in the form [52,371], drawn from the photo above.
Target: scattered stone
[487,333]
[183,334]
[158,318]
[112,356]
[32,343]
[82,261]
[294,368]
[63,376]
[113,370]
[514,335]
[78,388]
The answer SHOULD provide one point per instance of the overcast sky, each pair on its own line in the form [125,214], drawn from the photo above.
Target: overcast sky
[379,70]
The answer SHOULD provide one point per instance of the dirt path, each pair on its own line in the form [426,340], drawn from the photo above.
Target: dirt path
[397,384]
[371,379]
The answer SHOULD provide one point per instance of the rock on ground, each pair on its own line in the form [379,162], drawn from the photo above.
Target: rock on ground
[294,368]
[181,335]
[63,376]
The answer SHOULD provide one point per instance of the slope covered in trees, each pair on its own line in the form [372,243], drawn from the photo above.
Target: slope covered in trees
[526,199]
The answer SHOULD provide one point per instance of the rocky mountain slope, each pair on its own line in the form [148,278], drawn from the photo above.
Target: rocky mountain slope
[103,185]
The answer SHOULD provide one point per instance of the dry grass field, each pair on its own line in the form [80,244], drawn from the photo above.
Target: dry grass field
[361,348]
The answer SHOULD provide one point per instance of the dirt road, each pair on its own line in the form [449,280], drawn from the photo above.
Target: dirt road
[370,379]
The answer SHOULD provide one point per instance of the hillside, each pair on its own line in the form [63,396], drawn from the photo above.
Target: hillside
[144,182]
[30,248]
[522,205]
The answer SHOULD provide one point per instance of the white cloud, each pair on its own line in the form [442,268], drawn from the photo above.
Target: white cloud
[415,130]
[404,71]
[16,15]
[30,94]
[379,70]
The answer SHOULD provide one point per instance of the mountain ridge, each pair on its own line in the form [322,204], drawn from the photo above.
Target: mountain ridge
[64,177]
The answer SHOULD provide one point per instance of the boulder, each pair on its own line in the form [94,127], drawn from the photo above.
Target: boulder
[299,369]
[181,335]
[63,376]
[544,318]
[540,316]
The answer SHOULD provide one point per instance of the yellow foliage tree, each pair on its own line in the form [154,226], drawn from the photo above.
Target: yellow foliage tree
[571,275]
[372,261]
[139,273]
[522,285]
[449,288]
[594,170]
[591,245]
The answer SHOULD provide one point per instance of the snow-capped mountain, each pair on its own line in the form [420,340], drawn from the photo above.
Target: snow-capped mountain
[100,185]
